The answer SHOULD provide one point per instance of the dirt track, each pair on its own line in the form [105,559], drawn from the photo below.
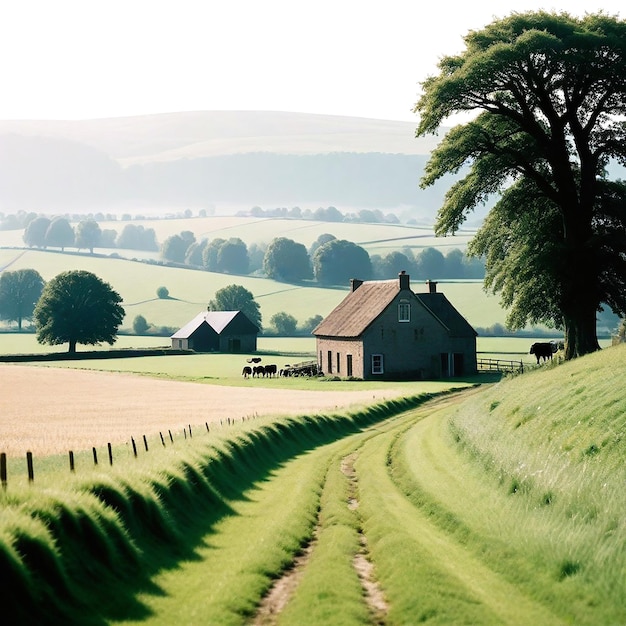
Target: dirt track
[47,410]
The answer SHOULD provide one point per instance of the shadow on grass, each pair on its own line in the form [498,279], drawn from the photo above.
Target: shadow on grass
[105,553]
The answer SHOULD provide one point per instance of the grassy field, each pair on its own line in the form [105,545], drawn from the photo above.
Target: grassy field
[191,290]
[494,505]
[226,369]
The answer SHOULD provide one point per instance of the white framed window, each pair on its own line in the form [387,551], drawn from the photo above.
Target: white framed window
[404,312]
[377,364]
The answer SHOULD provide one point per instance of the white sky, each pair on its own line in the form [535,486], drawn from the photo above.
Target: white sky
[82,59]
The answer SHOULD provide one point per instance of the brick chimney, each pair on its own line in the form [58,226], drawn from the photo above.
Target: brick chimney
[404,280]
[355,283]
[432,286]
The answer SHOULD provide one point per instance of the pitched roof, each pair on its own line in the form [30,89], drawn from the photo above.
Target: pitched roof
[362,306]
[217,320]
[445,312]
[358,309]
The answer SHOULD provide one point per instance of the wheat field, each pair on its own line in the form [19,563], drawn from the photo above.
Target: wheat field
[49,411]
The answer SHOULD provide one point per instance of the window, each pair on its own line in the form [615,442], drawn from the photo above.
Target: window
[338,363]
[330,362]
[377,364]
[349,364]
[404,312]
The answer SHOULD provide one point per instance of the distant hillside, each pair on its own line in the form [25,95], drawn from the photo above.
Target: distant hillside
[173,136]
[204,159]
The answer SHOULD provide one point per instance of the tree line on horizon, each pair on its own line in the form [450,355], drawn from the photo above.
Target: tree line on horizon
[328,260]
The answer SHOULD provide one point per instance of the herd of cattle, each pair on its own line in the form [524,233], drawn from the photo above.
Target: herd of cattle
[270,371]
[541,350]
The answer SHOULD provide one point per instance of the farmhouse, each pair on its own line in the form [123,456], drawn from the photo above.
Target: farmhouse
[217,331]
[383,330]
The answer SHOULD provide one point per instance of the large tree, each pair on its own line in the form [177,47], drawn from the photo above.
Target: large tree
[232,257]
[88,235]
[35,232]
[237,298]
[337,261]
[78,307]
[60,233]
[19,292]
[549,97]
[287,260]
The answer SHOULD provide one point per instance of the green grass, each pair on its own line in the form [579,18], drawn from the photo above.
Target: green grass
[214,500]
[545,453]
[498,505]
[191,290]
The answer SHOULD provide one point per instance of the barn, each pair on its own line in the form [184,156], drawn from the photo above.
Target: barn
[217,331]
[383,330]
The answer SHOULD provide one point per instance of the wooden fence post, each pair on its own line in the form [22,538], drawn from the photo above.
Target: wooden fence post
[134,446]
[110,453]
[162,440]
[29,465]
[95,456]
[190,433]
[145,443]
[3,469]
[171,438]
[207,427]
[71,461]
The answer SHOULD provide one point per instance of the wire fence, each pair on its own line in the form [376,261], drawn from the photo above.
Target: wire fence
[187,433]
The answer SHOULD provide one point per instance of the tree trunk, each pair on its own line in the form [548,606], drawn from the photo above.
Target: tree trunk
[580,333]
[72,349]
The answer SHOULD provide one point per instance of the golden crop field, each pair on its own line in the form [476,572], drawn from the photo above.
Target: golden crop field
[49,410]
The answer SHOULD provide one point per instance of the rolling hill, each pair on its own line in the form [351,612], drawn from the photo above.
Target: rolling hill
[215,160]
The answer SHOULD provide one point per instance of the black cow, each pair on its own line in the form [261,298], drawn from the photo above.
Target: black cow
[543,350]
[247,371]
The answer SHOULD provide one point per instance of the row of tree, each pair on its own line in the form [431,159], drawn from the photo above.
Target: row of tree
[44,232]
[328,214]
[328,260]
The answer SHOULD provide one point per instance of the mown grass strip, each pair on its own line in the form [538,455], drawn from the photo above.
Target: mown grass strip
[329,590]
[427,574]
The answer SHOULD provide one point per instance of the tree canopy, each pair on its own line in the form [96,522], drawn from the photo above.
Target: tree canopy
[78,307]
[549,96]
[237,298]
[88,235]
[287,260]
[337,261]
[35,232]
[19,292]
[284,323]
[60,233]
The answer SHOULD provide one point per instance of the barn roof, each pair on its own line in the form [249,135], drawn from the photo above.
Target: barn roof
[217,320]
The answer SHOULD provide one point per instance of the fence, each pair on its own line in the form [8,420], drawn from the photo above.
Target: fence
[187,433]
[500,365]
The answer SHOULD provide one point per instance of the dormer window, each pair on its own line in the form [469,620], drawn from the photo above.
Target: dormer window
[404,312]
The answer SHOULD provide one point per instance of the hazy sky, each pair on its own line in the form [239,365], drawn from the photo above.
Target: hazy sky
[81,59]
